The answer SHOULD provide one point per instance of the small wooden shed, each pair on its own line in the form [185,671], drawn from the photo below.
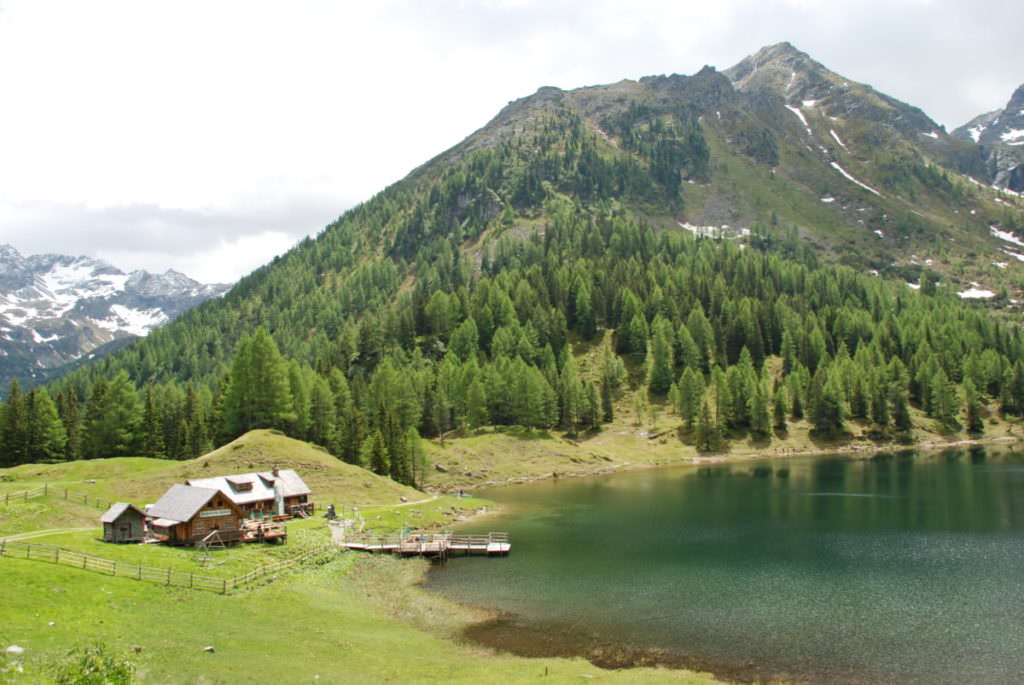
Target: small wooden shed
[123,522]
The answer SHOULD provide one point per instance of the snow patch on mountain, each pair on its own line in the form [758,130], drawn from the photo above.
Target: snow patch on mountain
[838,139]
[801,117]
[133,321]
[55,309]
[975,293]
[1006,235]
[849,177]
[1015,136]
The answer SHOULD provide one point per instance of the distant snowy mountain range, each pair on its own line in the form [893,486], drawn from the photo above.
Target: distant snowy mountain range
[56,309]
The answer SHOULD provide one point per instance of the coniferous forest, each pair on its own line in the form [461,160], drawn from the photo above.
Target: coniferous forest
[522,284]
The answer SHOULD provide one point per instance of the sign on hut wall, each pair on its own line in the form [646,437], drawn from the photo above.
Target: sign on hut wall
[214,512]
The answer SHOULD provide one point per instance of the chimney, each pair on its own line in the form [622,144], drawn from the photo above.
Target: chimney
[276,472]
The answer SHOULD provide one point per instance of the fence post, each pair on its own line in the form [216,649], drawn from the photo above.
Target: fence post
[56,556]
[65,493]
[113,568]
[168,576]
[224,587]
[191,578]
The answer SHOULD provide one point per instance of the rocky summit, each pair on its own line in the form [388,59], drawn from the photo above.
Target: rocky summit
[56,309]
[1001,137]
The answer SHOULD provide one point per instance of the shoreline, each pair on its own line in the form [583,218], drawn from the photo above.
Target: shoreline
[504,632]
[848,449]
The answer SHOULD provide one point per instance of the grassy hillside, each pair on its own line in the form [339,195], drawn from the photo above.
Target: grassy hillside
[139,480]
[352,618]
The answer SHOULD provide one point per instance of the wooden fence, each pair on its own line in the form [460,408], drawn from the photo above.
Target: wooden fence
[45,490]
[23,495]
[165,576]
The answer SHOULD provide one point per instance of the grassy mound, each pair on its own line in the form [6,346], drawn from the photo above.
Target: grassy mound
[140,480]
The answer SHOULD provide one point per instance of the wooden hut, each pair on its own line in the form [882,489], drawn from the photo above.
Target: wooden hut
[186,515]
[123,522]
[280,491]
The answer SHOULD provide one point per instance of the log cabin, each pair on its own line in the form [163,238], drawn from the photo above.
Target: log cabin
[187,514]
[280,491]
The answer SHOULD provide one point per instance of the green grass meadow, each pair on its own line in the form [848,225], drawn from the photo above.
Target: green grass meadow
[339,618]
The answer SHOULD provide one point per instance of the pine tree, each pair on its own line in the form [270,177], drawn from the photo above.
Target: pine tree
[972,408]
[901,418]
[691,390]
[153,445]
[880,416]
[71,417]
[477,413]
[661,359]
[47,437]
[607,402]
[198,442]
[352,435]
[259,395]
[571,394]
[943,400]
[780,408]
[708,436]
[826,403]
[112,418]
[322,414]
[760,415]
[15,427]
[373,454]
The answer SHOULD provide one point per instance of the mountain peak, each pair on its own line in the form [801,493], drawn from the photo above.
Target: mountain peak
[9,252]
[1001,135]
[56,308]
[1016,103]
[783,69]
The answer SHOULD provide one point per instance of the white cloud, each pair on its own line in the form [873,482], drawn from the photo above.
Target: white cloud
[219,120]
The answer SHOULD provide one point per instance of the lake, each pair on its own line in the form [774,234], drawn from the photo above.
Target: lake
[891,568]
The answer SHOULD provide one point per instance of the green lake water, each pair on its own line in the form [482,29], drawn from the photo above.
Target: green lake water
[895,568]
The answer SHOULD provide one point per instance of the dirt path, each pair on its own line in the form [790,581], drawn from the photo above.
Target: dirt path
[395,506]
[43,533]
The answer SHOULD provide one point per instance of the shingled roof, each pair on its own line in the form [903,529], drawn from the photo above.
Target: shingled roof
[114,512]
[245,488]
[181,502]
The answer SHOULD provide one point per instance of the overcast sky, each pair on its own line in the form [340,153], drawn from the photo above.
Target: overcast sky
[209,136]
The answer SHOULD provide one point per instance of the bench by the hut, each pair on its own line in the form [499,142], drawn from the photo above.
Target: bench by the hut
[123,522]
[187,514]
[280,491]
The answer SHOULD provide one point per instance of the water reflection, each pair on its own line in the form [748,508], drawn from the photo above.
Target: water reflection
[893,567]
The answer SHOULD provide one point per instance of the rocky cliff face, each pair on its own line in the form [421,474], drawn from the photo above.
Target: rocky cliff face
[1001,136]
[56,309]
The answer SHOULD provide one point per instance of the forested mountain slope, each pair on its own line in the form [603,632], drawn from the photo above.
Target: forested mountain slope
[553,266]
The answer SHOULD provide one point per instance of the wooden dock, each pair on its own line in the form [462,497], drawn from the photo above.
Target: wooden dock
[434,545]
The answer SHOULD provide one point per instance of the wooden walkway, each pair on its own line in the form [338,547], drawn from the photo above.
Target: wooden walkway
[435,545]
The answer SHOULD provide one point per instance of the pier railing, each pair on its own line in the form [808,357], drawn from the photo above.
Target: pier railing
[429,544]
